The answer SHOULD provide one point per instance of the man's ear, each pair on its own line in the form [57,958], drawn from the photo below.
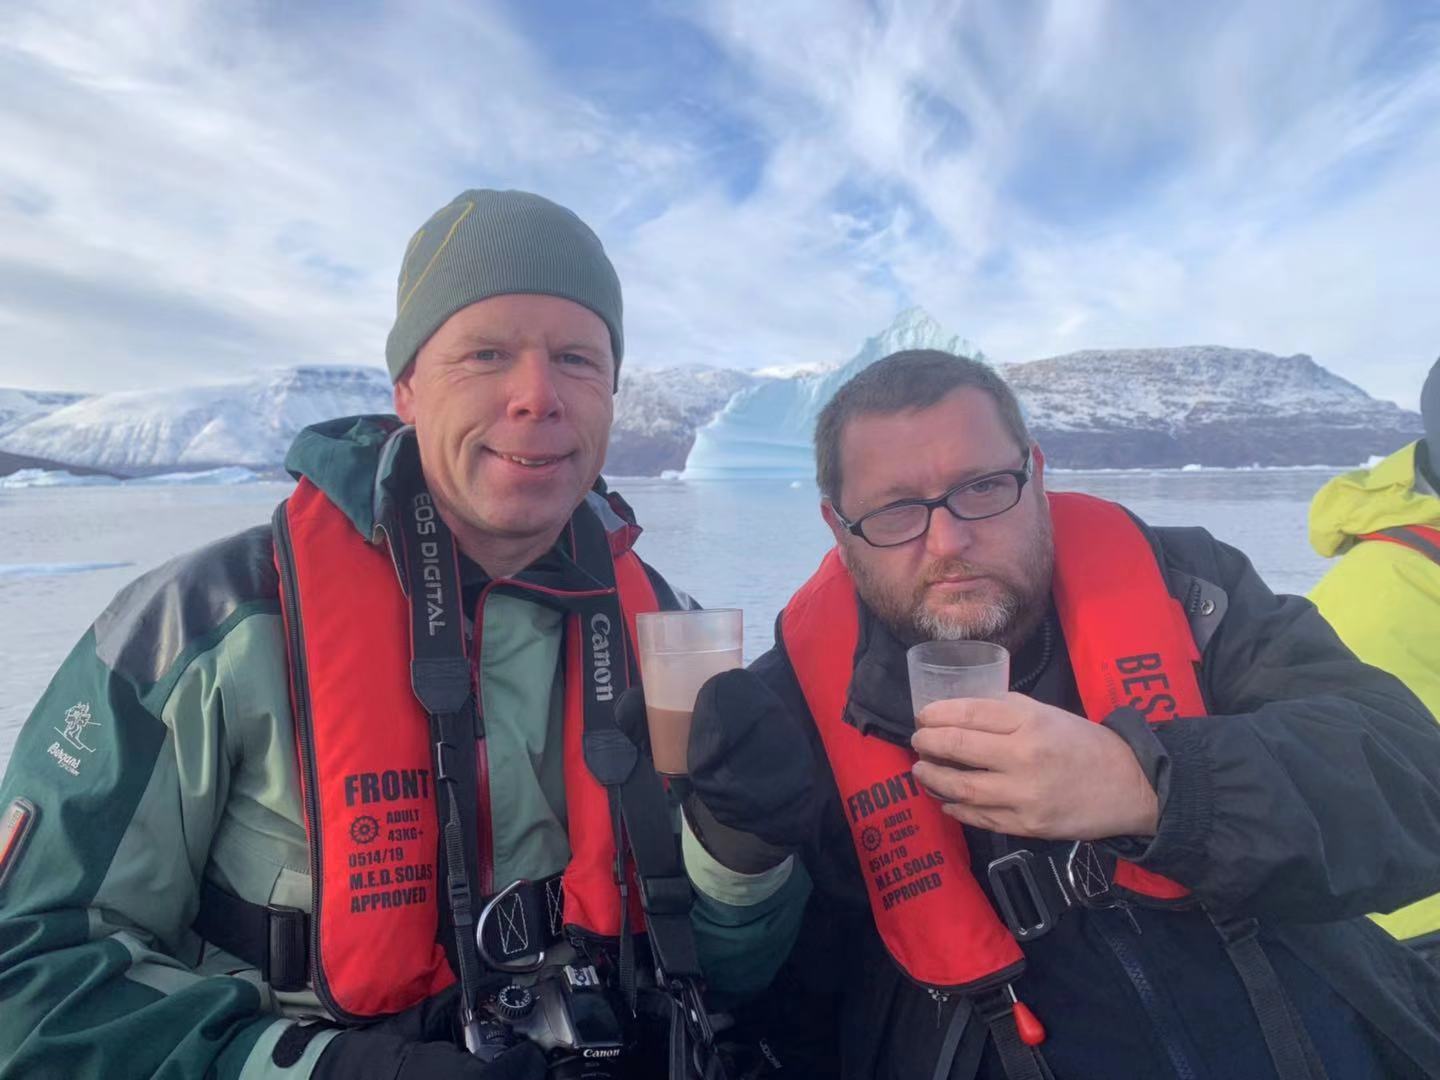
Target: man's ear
[838,530]
[405,396]
[1038,457]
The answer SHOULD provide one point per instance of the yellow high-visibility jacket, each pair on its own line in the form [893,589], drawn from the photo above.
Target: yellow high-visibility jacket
[1383,599]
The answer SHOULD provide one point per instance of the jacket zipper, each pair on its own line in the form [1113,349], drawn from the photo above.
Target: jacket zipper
[300,680]
[1149,1000]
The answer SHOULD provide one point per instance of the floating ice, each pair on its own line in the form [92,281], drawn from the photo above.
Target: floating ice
[229,474]
[35,478]
[14,571]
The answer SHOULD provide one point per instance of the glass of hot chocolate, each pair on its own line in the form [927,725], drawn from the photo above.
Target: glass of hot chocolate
[679,651]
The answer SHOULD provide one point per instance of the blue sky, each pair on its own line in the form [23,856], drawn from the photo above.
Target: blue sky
[193,192]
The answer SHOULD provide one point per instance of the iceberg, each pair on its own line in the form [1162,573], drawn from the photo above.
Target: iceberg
[44,478]
[765,431]
[225,475]
[38,478]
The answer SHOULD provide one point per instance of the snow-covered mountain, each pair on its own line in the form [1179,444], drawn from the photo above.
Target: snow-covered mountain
[1121,408]
[766,430]
[252,423]
[242,423]
[19,407]
[1202,405]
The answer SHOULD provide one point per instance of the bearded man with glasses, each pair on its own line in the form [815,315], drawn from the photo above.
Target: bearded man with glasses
[1153,857]
[956,597]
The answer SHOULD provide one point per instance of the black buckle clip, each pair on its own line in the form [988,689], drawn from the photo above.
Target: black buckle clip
[1030,893]
[285,948]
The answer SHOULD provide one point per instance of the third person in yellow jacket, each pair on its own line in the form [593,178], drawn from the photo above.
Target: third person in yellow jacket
[1383,595]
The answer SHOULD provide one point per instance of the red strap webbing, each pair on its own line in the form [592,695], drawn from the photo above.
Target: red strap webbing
[1422,538]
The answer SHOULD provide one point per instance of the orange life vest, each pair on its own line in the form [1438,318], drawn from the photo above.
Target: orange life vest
[369,797]
[1129,644]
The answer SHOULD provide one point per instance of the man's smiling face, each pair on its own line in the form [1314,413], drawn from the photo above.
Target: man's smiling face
[512,403]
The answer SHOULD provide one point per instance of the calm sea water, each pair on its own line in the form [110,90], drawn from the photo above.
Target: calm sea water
[65,552]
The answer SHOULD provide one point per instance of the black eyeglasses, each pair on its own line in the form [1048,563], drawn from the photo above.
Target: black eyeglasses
[974,500]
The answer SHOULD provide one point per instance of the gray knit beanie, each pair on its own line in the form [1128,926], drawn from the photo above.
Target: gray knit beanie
[1430,411]
[494,243]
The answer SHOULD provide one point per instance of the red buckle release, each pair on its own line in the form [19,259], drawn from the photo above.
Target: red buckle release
[1029,1028]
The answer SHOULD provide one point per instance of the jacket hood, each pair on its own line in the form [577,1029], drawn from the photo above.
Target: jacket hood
[342,457]
[1366,500]
[356,462]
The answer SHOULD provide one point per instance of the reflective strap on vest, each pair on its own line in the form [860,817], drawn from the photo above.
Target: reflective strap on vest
[1421,538]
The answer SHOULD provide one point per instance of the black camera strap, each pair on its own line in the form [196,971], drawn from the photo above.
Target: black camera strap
[440,678]
[639,807]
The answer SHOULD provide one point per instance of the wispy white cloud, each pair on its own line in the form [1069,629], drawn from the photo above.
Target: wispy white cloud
[197,190]
[1254,174]
[169,167]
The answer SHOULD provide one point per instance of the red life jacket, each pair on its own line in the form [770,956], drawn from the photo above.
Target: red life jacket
[364,743]
[1129,644]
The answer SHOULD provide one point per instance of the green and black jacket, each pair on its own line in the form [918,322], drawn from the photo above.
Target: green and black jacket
[163,754]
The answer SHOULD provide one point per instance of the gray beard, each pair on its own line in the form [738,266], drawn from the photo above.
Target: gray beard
[991,624]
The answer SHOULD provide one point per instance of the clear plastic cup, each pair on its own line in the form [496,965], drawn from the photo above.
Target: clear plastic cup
[679,651]
[941,670]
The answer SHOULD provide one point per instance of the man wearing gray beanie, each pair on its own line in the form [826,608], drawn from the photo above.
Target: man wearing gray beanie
[304,802]
[499,243]
[1383,595]
[505,352]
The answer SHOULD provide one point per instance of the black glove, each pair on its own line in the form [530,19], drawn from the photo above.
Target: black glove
[751,766]
[630,718]
[420,1043]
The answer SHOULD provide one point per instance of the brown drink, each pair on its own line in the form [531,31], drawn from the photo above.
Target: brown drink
[669,739]
[679,651]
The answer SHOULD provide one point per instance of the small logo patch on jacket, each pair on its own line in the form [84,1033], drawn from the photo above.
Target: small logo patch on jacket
[72,731]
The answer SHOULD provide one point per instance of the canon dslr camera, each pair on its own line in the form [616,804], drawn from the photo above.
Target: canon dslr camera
[570,1015]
